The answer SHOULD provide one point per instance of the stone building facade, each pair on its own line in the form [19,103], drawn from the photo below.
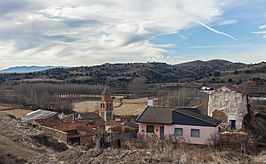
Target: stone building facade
[105,109]
[229,105]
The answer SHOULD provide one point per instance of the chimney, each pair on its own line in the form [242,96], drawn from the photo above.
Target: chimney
[62,115]
[150,102]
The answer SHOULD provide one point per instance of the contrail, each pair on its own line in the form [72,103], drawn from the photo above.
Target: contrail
[215,31]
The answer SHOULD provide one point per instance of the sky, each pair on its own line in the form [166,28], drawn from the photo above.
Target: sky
[92,32]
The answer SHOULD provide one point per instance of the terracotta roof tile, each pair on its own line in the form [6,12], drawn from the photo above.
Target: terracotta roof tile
[89,117]
[66,127]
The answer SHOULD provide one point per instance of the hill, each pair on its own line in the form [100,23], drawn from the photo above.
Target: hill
[252,77]
[26,69]
[199,69]
[152,72]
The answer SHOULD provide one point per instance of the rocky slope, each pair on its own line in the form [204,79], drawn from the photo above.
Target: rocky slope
[24,144]
[20,143]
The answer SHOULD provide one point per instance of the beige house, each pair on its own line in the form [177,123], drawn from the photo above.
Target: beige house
[229,105]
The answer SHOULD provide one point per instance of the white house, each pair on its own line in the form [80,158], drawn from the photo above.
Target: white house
[229,105]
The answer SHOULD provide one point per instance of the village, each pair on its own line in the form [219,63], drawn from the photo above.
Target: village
[111,120]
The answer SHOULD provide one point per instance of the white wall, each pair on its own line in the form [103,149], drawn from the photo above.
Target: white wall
[232,103]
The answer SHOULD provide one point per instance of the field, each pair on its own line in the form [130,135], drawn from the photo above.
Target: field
[13,110]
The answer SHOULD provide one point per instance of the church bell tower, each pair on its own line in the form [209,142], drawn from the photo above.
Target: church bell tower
[106,105]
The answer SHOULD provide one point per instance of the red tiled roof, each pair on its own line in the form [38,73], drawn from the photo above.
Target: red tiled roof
[66,127]
[89,117]
[58,124]
[81,126]
[50,122]
[81,123]
[85,129]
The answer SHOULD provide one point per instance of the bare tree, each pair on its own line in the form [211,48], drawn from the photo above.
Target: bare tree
[137,86]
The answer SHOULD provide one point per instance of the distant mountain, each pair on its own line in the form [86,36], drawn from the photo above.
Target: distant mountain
[122,74]
[215,64]
[198,69]
[27,69]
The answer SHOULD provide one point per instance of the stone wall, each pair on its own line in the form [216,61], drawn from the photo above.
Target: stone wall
[228,104]
[60,135]
[88,141]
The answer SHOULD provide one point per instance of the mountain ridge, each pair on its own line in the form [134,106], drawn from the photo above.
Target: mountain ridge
[28,69]
[121,74]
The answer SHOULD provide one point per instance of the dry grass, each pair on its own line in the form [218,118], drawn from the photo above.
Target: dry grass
[17,113]
[153,150]
[86,106]
[235,150]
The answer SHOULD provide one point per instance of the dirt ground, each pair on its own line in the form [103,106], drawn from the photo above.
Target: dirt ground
[11,148]
[20,143]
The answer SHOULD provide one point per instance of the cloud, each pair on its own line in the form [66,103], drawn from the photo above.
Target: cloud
[262,31]
[92,32]
[227,22]
[259,32]
[216,31]
[262,27]
[8,6]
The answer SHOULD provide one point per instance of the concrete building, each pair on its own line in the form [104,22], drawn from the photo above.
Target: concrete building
[229,105]
[185,124]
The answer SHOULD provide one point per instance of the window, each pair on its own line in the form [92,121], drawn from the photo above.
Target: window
[178,132]
[195,133]
[232,124]
[102,105]
[150,129]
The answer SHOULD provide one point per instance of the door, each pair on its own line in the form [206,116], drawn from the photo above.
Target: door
[232,124]
[161,132]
